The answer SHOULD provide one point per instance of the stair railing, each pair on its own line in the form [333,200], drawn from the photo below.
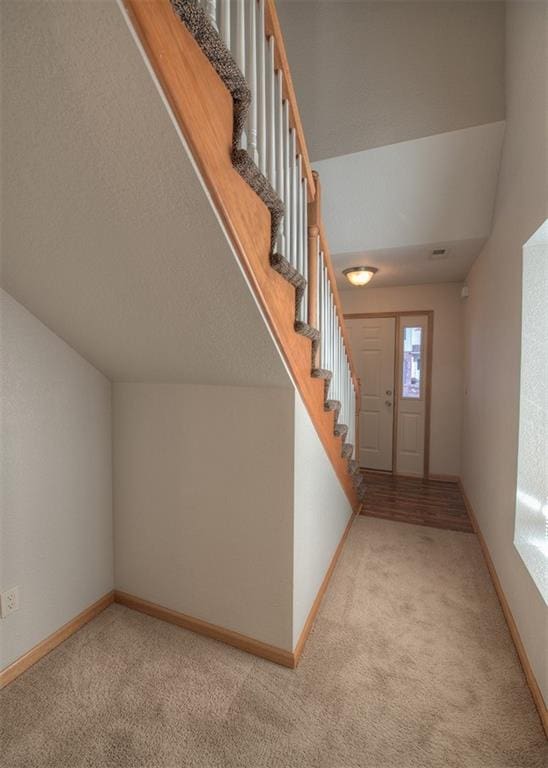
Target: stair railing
[275,140]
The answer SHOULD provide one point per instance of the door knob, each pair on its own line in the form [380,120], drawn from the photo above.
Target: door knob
[388,392]
[387,402]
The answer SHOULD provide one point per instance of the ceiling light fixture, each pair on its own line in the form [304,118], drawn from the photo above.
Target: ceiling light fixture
[359,276]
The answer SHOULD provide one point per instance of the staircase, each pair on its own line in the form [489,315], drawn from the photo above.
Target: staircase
[223,69]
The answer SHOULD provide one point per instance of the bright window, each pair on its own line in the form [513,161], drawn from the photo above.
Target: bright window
[411,362]
[531,528]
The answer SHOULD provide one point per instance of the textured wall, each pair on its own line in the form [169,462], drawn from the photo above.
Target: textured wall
[203,502]
[493,324]
[374,73]
[444,299]
[321,512]
[55,480]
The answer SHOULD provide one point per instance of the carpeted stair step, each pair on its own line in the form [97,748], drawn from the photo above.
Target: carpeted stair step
[323,373]
[340,430]
[332,405]
[346,451]
[353,466]
[358,480]
[309,332]
[305,329]
[281,265]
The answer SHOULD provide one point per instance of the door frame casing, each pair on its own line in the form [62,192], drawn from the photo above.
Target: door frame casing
[429,314]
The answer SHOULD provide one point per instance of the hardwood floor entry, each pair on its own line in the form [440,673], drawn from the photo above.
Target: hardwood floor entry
[415,500]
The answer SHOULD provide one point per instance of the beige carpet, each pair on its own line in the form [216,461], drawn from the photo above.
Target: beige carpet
[410,665]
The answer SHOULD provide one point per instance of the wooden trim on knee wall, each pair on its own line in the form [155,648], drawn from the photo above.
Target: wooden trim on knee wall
[242,642]
[512,626]
[40,650]
[228,636]
[248,644]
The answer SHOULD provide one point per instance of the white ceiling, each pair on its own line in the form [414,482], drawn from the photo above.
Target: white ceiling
[108,236]
[370,73]
[390,206]
[413,265]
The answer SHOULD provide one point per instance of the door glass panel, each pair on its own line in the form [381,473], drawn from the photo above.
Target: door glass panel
[412,362]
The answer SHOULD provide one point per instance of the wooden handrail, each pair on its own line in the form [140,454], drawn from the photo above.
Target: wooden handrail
[273,29]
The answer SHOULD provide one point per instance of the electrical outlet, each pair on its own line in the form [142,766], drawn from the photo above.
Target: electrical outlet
[9,601]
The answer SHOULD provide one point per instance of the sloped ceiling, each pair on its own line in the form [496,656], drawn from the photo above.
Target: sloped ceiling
[403,109]
[108,236]
[390,207]
[368,73]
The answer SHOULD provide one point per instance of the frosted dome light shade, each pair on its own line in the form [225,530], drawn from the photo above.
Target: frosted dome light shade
[359,276]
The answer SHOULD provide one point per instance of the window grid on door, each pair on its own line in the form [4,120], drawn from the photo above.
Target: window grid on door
[411,363]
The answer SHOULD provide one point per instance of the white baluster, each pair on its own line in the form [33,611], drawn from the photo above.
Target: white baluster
[341,389]
[327,327]
[211,10]
[293,195]
[324,317]
[353,416]
[349,400]
[298,217]
[336,393]
[281,116]
[330,357]
[319,273]
[261,87]
[339,369]
[337,362]
[341,379]
[355,419]
[239,48]
[345,395]
[304,235]
[287,182]
[224,20]
[321,322]
[271,133]
[349,409]
[251,77]
[321,311]
[332,342]
[349,406]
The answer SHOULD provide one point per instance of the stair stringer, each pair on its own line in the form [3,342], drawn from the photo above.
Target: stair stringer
[198,23]
[196,72]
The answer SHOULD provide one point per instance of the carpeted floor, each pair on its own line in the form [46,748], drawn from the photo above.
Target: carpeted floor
[410,665]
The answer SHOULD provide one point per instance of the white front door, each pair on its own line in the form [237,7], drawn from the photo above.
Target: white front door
[373,349]
[411,394]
